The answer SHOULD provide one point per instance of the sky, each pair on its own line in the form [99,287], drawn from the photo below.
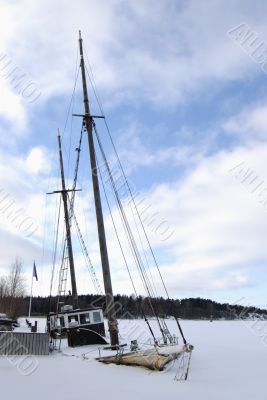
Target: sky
[183,86]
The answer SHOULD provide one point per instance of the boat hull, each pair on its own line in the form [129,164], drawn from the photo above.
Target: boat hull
[86,335]
[154,359]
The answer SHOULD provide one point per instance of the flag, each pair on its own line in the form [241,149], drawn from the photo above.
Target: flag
[34,272]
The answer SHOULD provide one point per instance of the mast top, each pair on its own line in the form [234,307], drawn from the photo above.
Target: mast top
[80,35]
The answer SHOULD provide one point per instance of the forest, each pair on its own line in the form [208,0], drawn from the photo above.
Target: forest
[130,307]
[15,303]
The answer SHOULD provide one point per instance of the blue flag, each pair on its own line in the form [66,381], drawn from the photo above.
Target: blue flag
[34,272]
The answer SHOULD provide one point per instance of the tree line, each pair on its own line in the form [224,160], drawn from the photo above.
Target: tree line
[15,303]
[136,307]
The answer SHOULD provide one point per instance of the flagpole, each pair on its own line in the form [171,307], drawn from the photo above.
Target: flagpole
[30,306]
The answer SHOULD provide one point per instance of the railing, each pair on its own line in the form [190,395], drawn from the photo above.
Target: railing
[19,343]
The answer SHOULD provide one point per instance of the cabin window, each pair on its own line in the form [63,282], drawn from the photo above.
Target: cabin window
[97,316]
[73,318]
[61,321]
[84,319]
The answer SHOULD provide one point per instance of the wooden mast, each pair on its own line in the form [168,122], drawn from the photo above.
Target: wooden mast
[64,194]
[111,313]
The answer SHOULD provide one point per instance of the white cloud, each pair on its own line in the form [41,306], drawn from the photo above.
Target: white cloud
[135,154]
[12,110]
[24,181]
[162,57]
[38,160]
[218,223]
[250,123]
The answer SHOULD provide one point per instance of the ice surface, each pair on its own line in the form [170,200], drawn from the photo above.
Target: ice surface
[228,363]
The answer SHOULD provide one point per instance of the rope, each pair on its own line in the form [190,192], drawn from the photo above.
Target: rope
[72,217]
[123,254]
[54,255]
[121,168]
[124,219]
[73,193]
[87,258]
[73,93]
[77,71]
[63,268]
[143,228]
[129,189]
[72,106]
[115,228]
[129,234]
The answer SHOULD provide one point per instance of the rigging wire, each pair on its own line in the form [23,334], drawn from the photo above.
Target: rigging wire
[138,214]
[64,244]
[138,259]
[123,254]
[72,218]
[74,185]
[130,236]
[77,72]
[87,258]
[130,192]
[115,228]
[155,294]
[134,247]
[71,123]
[44,224]
[55,253]
[144,231]
[92,81]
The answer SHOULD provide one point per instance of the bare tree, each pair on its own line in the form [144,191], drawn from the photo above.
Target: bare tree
[3,288]
[3,295]
[12,289]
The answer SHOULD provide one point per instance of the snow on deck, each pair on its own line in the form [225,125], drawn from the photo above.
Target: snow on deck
[228,362]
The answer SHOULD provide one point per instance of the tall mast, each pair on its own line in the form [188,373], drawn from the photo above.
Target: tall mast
[64,194]
[111,313]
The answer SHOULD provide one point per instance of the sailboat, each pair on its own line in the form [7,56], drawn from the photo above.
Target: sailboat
[86,326]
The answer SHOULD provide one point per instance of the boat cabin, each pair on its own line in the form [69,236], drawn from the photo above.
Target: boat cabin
[82,327]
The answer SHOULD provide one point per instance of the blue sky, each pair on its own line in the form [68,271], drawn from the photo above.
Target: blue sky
[185,104]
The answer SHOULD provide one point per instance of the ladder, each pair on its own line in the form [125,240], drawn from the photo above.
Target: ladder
[63,276]
[87,258]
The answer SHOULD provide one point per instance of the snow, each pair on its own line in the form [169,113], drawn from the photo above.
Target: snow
[228,362]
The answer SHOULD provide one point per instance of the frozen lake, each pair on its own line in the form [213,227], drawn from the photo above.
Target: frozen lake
[228,362]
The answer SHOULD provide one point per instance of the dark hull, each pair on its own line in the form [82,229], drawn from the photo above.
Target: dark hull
[86,335]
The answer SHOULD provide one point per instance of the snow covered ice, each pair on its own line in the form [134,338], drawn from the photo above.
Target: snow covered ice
[228,362]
